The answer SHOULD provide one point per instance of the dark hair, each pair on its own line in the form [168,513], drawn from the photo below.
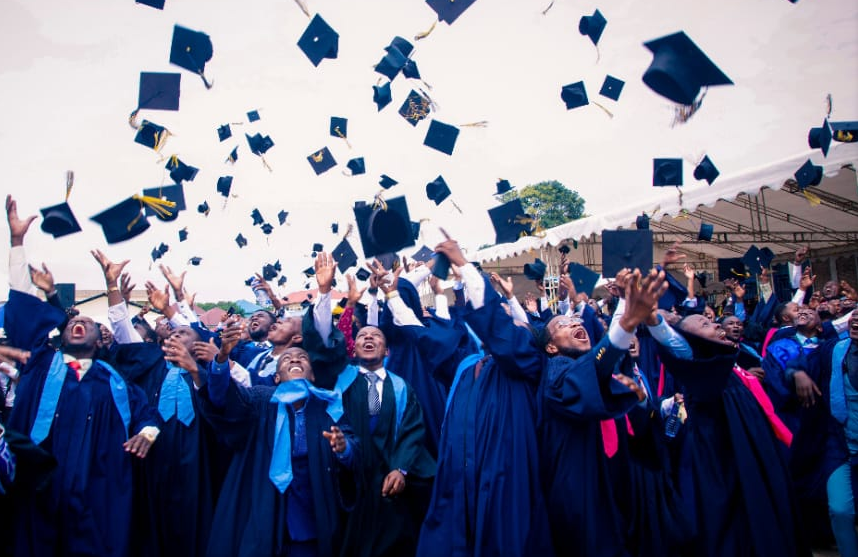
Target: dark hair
[780,311]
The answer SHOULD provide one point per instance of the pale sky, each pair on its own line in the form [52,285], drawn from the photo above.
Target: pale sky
[70,72]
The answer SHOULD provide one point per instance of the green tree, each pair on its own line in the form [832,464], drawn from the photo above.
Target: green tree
[222,305]
[550,203]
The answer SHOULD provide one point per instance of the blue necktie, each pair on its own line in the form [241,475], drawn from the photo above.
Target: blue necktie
[280,469]
[175,397]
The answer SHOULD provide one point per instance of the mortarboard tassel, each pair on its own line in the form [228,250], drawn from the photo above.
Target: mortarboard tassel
[432,104]
[132,119]
[69,183]
[608,112]
[456,206]
[424,34]
[480,124]
[545,11]
[379,202]
[349,231]
[265,163]
[160,206]
[303,6]
[683,113]
[343,137]
[812,198]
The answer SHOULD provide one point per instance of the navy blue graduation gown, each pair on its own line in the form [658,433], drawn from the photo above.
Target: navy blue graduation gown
[87,508]
[487,499]
[250,518]
[733,477]
[177,482]
[245,351]
[576,395]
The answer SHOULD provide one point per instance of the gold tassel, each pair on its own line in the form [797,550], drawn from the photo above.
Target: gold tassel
[265,163]
[424,34]
[683,114]
[379,202]
[132,119]
[343,137]
[812,198]
[349,230]
[303,7]
[157,204]
[608,112]
[432,104]
[69,183]
[829,101]
[318,156]
[545,11]
[480,124]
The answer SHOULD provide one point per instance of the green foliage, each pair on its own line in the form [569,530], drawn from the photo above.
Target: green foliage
[551,203]
[222,305]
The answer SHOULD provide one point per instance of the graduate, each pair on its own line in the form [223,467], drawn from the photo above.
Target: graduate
[292,478]
[86,415]
[487,499]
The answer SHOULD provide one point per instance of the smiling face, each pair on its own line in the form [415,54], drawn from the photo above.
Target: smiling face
[635,347]
[259,324]
[370,347]
[734,328]
[285,331]
[185,335]
[701,327]
[81,336]
[807,321]
[567,336]
[830,289]
[294,363]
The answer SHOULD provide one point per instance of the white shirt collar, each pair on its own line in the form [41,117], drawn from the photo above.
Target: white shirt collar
[382,374]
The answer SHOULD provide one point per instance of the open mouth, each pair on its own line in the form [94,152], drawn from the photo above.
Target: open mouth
[296,370]
[369,346]
[78,330]
[580,334]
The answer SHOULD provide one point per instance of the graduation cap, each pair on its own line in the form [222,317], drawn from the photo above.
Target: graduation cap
[674,295]
[267,228]
[335,227]
[249,281]
[240,240]
[392,62]
[321,161]
[356,166]
[159,91]
[191,50]
[269,272]
[564,249]
[510,221]
[257,217]
[66,294]
[123,221]
[386,182]
[612,87]
[622,249]
[174,194]
[642,222]
[317,247]
[224,185]
[702,277]
[448,10]
[441,137]
[151,135]
[195,261]
[233,155]
[259,144]
[403,45]
[574,95]
[281,281]
[415,229]
[362,274]
[58,220]
[309,272]
[503,186]
[384,227]
[845,132]
[344,255]
[731,268]
[705,232]
[158,252]
[381,95]
[583,278]
[820,138]
[424,254]
[224,132]
[592,26]
[415,108]
[158,4]
[808,175]
[179,171]
[679,69]
[410,69]
[535,270]
[441,266]
[667,172]
[253,116]
[339,127]
[706,171]
[319,41]
[437,190]
[756,259]
[281,217]
[183,234]
[203,208]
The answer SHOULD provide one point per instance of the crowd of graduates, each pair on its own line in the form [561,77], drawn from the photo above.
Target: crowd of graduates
[610,427]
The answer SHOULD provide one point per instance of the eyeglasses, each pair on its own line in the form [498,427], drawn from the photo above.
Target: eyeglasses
[569,321]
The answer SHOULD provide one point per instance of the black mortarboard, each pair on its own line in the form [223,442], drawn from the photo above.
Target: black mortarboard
[535,270]
[159,4]
[362,274]
[410,70]
[257,217]
[510,221]
[415,229]
[388,260]
[564,249]
[404,46]
[357,166]
[622,249]
[123,221]
[381,95]
[846,132]
[642,222]
[384,231]
[583,278]
[59,221]
[503,186]
[66,293]
[224,132]
[441,137]
[820,138]
[183,234]
[321,161]
[391,63]
[266,228]
[156,254]
[259,144]
[679,69]
[269,272]
[441,266]
[335,227]
[706,171]
[317,247]
[808,175]
[574,95]
[702,277]
[415,108]
[754,260]
[424,254]
[253,115]
[448,10]
[731,268]
[163,249]
[437,190]
[612,87]
[224,184]
[344,255]
[592,26]
[387,182]
[667,172]
[309,272]
[249,280]
[159,91]
[179,171]
[674,295]
[281,281]
[151,135]
[339,126]
[705,232]
[240,240]
[319,41]
[766,257]
[174,193]
[281,216]
[203,208]
[233,155]
[191,50]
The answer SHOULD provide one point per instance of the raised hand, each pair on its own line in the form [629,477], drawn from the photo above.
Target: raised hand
[530,303]
[672,255]
[11,355]
[801,255]
[336,439]
[355,293]
[229,336]
[177,353]
[43,280]
[126,286]
[807,280]
[688,271]
[847,290]
[566,288]
[642,294]
[204,351]
[176,282]
[325,269]
[159,299]
[505,285]
[111,270]
[17,227]
[451,249]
